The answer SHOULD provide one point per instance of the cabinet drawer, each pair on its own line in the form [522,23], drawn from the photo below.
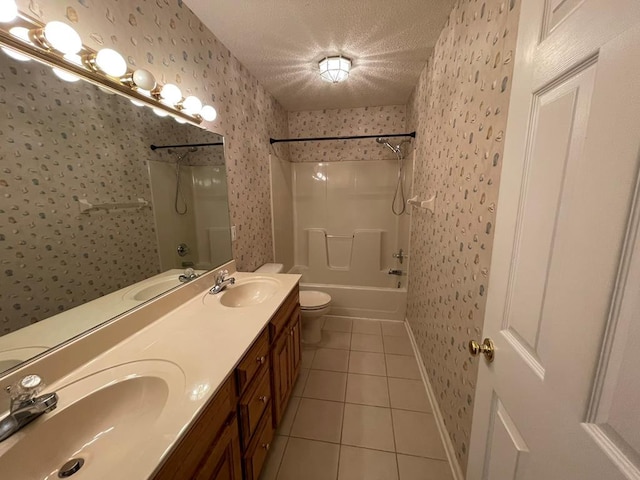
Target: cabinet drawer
[279,321]
[254,402]
[259,448]
[250,365]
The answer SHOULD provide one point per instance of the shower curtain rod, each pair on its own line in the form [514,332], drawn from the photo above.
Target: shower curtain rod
[156,147]
[354,137]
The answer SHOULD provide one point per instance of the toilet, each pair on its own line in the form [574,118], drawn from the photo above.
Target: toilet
[313,306]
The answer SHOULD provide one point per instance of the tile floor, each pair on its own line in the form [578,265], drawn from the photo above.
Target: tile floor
[359,410]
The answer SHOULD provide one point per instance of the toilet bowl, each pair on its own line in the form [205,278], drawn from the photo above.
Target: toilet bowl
[313,306]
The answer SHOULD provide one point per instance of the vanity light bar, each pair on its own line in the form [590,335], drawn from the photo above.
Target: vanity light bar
[90,70]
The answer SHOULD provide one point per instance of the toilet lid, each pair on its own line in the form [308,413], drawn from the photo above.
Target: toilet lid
[313,300]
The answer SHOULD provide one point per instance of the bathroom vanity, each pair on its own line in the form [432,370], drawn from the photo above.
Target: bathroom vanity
[196,392]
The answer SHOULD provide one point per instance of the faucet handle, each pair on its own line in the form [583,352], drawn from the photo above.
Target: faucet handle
[26,388]
[220,276]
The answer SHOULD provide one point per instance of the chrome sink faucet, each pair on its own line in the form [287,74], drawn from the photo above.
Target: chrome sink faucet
[188,275]
[25,405]
[222,282]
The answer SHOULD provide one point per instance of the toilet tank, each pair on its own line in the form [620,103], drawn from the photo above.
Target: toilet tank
[270,268]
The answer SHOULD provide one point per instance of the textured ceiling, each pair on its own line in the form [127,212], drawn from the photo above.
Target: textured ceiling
[281,41]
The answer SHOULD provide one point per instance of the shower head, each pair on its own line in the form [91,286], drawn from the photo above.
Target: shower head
[385,142]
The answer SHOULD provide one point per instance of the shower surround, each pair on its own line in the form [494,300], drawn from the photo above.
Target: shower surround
[344,232]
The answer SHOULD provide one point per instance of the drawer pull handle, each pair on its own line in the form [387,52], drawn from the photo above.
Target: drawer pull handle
[266,446]
[263,398]
[261,360]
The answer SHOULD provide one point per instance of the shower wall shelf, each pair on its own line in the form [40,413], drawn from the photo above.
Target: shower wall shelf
[86,207]
[429,205]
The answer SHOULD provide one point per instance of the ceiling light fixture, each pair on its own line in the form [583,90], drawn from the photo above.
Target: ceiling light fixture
[334,69]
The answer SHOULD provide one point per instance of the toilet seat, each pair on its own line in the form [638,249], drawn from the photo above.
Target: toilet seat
[314,300]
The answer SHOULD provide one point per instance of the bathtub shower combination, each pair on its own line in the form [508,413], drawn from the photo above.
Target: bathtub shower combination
[349,269]
[351,235]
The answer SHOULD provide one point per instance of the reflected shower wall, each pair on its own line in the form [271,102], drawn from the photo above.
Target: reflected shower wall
[345,231]
[203,228]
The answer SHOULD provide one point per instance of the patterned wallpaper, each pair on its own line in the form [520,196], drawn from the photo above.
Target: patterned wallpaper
[459,110]
[166,38]
[344,122]
[61,142]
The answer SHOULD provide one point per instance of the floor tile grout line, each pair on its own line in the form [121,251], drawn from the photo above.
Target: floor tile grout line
[286,444]
[393,429]
[366,448]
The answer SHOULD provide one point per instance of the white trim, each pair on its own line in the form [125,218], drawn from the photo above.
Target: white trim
[449,449]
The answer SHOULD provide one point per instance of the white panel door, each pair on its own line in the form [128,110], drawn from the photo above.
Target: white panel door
[561,399]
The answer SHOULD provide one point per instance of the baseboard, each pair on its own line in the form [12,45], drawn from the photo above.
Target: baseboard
[456,471]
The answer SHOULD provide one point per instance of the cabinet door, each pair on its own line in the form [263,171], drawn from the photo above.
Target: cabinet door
[225,460]
[208,434]
[281,374]
[257,452]
[295,346]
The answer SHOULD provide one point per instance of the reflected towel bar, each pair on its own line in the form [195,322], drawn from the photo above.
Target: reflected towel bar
[86,207]
[339,236]
[186,145]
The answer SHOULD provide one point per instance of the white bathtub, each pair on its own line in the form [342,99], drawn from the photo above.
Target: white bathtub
[362,302]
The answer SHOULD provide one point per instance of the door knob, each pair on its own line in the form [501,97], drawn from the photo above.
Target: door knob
[486,348]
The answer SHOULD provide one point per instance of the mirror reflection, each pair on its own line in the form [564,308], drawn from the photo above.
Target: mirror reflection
[93,222]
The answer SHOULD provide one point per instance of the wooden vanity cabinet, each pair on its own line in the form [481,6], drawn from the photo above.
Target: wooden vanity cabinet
[231,438]
[210,450]
[286,353]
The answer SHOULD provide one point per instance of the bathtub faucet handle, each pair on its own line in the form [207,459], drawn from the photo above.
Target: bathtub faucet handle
[400,255]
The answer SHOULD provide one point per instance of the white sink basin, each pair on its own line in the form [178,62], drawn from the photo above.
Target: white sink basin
[147,292]
[249,292]
[14,356]
[98,419]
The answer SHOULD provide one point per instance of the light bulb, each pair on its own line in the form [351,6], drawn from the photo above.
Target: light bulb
[73,58]
[64,75]
[208,113]
[159,112]
[8,11]
[15,55]
[111,62]
[192,105]
[143,79]
[181,121]
[106,90]
[21,33]
[137,103]
[62,37]
[170,94]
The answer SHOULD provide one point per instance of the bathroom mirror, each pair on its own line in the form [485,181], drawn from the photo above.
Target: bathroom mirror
[93,222]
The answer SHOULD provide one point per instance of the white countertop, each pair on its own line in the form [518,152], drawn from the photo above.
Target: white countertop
[200,343]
